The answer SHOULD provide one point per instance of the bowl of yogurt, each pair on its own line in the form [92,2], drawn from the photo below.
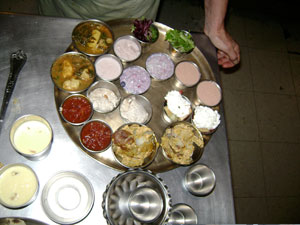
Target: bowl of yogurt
[104,95]
[206,119]
[19,185]
[108,67]
[31,136]
[127,48]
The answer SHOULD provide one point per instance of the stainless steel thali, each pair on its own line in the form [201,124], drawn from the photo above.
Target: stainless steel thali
[155,94]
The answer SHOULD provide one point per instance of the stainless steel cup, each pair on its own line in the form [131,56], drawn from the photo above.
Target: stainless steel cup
[145,204]
[199,180]
[182,214]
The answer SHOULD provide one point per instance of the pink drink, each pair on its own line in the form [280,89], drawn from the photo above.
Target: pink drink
[187,73]
[209,93]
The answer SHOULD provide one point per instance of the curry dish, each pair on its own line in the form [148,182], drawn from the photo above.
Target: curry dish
[134,145]
[73,72]
[92,37]
[179,142]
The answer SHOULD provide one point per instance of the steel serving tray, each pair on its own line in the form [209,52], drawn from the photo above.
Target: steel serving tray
[155,94]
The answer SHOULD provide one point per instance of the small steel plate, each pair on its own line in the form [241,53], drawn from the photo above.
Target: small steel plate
[67,197]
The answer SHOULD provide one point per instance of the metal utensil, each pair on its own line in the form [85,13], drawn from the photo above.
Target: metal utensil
[17,61]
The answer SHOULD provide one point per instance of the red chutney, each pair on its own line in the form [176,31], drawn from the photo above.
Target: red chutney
[96,136]
[76,109]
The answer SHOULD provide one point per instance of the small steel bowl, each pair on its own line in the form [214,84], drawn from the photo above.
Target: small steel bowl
[28,145]
[115,67]
[80,61]
[122,55]
[160,66]
[67,197]
[139,99]
[179,83]
[182,214]
[135,80]
[148,160]
[95,133]
[146,45]
[198,150]
[199,180]
[169,117]
[176,53]
[197,100]
[136,186]
[78,110]
[18,186]
[82,32]
[107,85]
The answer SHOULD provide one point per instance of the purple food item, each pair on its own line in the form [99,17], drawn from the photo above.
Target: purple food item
[160,66]
[135,80]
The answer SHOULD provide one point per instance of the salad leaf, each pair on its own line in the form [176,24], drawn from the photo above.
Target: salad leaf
[180,40]
[144,30]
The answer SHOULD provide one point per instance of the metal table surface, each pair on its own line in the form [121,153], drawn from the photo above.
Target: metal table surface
[45,38]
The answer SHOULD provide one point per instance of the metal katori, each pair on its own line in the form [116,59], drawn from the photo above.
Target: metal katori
[199,180]
[183,214]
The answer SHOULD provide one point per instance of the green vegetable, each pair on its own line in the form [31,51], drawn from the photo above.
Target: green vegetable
[180,40]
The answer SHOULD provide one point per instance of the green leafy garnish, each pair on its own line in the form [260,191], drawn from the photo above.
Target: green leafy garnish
[180,40]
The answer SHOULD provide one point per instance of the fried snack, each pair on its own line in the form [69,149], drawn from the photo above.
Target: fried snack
[133,143]
[179,143]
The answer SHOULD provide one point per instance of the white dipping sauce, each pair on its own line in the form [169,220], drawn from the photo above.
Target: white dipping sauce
[32,137]
[18,185]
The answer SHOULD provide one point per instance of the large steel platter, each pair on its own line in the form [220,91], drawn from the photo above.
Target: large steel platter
[155,94]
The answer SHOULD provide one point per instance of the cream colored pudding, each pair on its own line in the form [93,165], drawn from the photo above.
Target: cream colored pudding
[32,137]
[18,184]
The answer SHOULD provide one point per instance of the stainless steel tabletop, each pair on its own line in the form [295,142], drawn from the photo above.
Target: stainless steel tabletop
[45,38]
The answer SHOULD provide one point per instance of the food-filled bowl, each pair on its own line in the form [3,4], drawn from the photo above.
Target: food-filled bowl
[96,136]
[72,72]
[104,95]
[108,67]
[93,37]
[127,48]
[19,185]
[31,136]
[136,108]
[182,143]
[134,145]
[76,109]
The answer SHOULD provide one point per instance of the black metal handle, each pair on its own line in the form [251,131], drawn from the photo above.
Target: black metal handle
[17,61]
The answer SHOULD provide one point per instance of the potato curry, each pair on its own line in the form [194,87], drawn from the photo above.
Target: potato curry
[73,72]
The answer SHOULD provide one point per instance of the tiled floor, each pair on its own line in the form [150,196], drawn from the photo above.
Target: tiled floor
[262,106]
